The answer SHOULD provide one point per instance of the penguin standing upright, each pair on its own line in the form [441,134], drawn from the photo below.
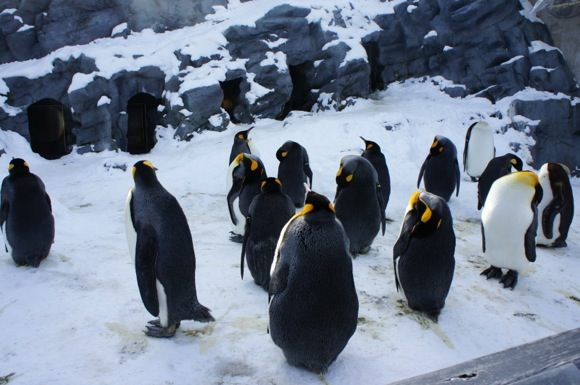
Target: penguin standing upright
[160,240]
[313,302]
[248,172]
[423,256]
[26,215]
[440,169]
[358,202]
[556,210]
[243,144]
[496,168]
[294,171]
[268,213]
[373,154]
[508,225]
[479,149]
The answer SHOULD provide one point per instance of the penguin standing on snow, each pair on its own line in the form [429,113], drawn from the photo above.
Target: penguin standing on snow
[359,202]
[374,155]
[479,149]
[440,169]
[294,171]
[495,169]
[268,213]
[423,256]
[313,302]
[248,172]
[26,215]
[508,226]
[556,209]
[160,241]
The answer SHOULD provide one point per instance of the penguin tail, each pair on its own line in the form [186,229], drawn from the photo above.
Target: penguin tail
[201,313]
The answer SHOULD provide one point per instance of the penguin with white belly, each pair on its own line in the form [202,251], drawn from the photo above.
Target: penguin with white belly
[440,170]
[294,171]
[424,254]
[509,221]
[556,210]
[160,241]
[26,216]
[479,149]
[496,168]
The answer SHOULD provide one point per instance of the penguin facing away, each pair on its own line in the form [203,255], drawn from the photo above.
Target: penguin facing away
[440,170]
[556,210]
[508,226]
[423,256]
[373,154]
[268,213]
[294,171]
[496,168]
[358,202]
[160,241]
[313,301]
[479,149]
[248,172]
[26,216]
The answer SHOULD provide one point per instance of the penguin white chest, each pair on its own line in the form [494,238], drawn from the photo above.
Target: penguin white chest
[479,152]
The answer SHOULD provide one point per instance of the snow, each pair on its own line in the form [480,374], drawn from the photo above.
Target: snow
[119,28]
[538,45]
[25,27]
[513,59]
[80,314]
[103,100]
[429,34]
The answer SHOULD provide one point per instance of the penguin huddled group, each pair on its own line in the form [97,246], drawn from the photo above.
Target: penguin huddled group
[299,246]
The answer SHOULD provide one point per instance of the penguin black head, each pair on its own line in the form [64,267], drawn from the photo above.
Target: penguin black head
[248,166]
[438,145]
[424,214]
[515,162]
[144,172]
[242,136]
[317,207]
[370,145]
[286,149]
[18,166]
[271,185]
[346,171]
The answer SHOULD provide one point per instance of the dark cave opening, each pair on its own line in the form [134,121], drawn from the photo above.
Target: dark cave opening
[231,90]
[376,82]
[142,118]
[49,125]
[302,98]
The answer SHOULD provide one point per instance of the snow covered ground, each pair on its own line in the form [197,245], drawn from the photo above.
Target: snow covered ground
[78,319]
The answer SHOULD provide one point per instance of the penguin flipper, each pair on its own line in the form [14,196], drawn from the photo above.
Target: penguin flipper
[3,216]
[308,173]
[278,279]
[482,238]
[145,256]
[530,239]
[382,208]
[49,202]
[402,243]
[422,171]
[457,176]
[466,146]
[232,195]
[244,244]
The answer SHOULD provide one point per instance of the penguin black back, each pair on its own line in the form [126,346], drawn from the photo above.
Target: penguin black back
[440,170]
[26,215]
[374,155]
[294,171]
[495,169]
[314,306]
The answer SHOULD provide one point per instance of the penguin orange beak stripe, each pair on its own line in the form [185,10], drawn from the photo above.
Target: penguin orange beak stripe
[339,171]
[435,143]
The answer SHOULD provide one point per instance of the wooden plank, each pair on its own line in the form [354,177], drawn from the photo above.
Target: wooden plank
[556,357]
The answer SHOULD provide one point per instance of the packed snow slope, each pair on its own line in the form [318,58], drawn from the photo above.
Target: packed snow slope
[79,317]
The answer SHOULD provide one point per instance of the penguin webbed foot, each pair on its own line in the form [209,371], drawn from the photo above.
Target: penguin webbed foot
[509,280]
[559,243]
[237,238]
[474,179]
[158,331]
[492,272]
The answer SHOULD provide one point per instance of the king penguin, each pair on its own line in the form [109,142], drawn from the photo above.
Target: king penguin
[294,171]
[160,241]
[358,202]
[268,213]
[313,302]
[496,168]
[424,254]
[440,169]
[556,209]
[373,154]
[508,226]
[478,150]
[25,215]
[248,172]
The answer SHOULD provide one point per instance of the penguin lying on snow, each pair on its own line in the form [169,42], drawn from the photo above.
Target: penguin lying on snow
[556,209]
[313,302]
[294,171]
[26,215]
[268,213]
[423,256]
[479,149]
[160,240]
[496,168]
[440,169]
[247,172]
[373,154]
[508,225]
[359,202]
